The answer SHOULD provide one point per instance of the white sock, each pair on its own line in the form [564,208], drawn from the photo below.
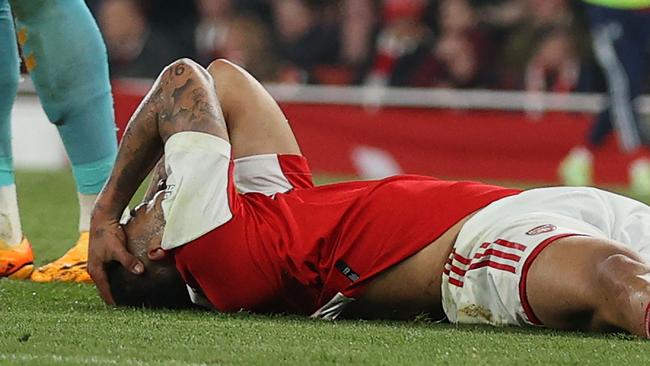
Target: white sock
[86,204]
[10,231]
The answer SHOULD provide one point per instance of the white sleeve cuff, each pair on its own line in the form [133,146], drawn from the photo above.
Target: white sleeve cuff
[187,141]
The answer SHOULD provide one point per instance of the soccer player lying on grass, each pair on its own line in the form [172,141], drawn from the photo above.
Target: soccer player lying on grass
[565,258]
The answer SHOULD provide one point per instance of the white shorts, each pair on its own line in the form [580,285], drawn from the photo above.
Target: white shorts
[485,276]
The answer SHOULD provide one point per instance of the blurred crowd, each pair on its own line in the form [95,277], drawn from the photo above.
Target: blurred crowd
[499,44]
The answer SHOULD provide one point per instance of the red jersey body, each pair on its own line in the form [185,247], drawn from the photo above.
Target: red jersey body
[292,252]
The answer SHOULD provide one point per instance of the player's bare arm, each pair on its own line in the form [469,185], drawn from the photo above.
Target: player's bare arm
[256,124]
[182,99]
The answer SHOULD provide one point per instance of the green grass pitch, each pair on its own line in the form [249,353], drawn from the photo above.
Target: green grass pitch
[67,324]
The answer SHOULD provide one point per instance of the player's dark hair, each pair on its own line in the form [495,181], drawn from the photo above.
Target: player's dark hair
[159,287]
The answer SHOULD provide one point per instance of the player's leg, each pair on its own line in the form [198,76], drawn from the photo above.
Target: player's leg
[620,48]
[66,58]
[620,57]
[589,284]
[15,253]
[577,168]
[601,128]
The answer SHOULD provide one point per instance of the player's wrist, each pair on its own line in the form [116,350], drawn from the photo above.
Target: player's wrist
[110,205]
[103,213]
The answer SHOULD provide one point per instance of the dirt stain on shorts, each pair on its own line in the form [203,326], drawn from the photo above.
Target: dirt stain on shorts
[476,311]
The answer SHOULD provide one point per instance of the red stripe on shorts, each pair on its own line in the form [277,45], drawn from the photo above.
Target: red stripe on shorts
[509,244]
[458,271]
[498,253]
[523,297]
[489,263]
[455,282]
[461,259]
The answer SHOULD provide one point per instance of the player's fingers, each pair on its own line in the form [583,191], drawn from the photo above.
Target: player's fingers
[99,276]
[94,265]
[127,260]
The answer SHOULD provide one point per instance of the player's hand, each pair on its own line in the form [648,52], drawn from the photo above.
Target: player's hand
[108,243]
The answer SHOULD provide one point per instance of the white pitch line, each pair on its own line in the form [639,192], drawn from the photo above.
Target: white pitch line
[90,360]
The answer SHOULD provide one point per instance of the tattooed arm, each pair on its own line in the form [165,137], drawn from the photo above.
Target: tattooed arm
[182,99]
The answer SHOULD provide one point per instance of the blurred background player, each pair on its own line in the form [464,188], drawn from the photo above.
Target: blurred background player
[66,58]
[620,32]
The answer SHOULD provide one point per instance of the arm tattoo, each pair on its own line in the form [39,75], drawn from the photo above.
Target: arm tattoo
[183,99]
[179,70]
[192,105]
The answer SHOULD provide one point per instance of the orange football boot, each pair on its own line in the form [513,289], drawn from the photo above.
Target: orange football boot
[71,267]
[16,262]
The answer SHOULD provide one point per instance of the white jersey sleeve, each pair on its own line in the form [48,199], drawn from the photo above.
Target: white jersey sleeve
[196,199]
[262,174]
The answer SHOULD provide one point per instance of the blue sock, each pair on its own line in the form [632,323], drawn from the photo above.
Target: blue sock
[66,57]
[9,74]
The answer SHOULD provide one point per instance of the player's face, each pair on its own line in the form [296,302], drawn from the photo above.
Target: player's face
[145,223]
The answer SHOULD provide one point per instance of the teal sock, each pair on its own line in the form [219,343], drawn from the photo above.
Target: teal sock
[9,74]
[66,57]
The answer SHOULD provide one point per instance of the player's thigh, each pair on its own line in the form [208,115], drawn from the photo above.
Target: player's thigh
[628,222]
[256,124]
[563,286]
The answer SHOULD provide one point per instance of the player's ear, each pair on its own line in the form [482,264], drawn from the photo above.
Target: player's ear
[156,253]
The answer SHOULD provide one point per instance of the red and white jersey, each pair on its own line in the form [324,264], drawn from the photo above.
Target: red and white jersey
[293,251]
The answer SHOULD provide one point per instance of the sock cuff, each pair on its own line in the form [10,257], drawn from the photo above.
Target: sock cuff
[91,177]
[86,204]
[11,232]
[7,177]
